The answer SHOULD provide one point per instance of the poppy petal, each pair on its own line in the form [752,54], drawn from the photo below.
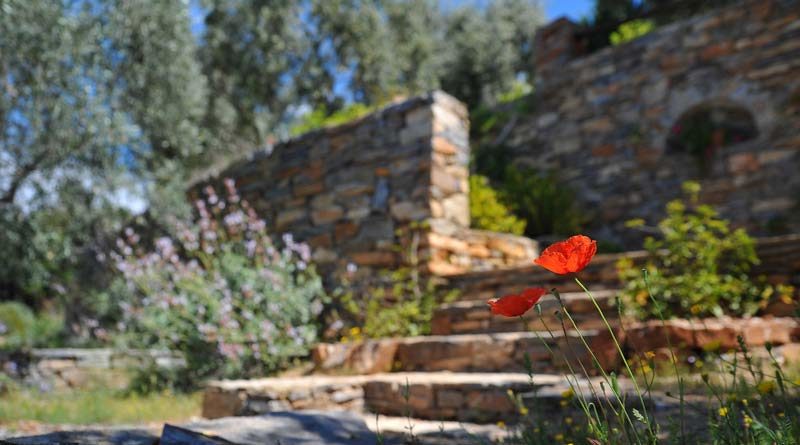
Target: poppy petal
[568,256]
[515,305]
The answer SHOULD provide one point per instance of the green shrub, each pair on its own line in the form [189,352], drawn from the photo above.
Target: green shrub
[488,212]
[698,267]
[631,30]
[224,295]
[21,328]
[546,206]
[17,325]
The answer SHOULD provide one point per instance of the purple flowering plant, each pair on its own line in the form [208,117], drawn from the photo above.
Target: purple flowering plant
[232,300]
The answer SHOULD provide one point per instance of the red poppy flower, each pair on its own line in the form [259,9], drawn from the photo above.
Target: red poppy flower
[568,256]
[516,305]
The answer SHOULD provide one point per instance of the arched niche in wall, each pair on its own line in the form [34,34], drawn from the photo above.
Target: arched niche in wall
[705,129]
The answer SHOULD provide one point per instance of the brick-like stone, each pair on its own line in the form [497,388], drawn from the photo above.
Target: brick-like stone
[327,215]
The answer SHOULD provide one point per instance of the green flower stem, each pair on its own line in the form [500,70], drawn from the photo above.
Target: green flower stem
[621,354]
[673,357]
[599,367]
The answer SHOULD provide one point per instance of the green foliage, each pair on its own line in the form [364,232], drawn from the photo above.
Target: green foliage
[486,51]
[631,30]
[518,90]
[21,328]
[610,16]
[233,303]
[112,103]
[402,302]
[547,207]
[487,210]
[16,325]
[698,267]
[320,118]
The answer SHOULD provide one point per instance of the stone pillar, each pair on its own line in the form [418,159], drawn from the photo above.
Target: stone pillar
[348,190]
[555,44]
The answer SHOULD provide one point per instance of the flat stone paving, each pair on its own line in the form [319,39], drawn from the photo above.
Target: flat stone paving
[473,397]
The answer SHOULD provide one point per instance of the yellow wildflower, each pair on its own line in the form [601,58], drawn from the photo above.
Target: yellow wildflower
[650,355]
[766,387]
[747,421]
[723,411]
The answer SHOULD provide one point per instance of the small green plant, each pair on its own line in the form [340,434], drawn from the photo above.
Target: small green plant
[547,206]
[487,210]
[631,30]
[403,301]
[698,267]
[518,90]
[321,117]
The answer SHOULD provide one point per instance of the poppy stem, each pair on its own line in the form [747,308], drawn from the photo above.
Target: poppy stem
[621,354]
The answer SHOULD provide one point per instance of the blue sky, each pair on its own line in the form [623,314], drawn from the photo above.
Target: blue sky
[574,9]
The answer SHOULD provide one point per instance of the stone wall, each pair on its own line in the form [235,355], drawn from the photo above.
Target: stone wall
[779,258]
[77,368]
[602,120]
[352,191]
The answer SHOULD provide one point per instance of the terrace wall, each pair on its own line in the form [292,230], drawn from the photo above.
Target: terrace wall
[351,191]
[602,121]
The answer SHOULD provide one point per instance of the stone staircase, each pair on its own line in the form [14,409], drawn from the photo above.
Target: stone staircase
[472,368]
[466,397]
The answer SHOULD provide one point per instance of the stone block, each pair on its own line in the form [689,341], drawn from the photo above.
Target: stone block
[407,211]
[449,243]
[376,258]
[219,403]
[310,188]
[443,146]
[288,217]
[743,163]
[456,209]
[446,398]
[345,230]
[327,215]
[604,151]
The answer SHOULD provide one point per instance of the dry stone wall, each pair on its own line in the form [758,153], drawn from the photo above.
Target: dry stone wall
[352,191]
[602,120]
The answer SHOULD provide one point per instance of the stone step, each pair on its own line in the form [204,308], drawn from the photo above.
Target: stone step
[779,263]
[469,397]
[474,317]
[498,352]
[553,351]
[479,398]
[601,273]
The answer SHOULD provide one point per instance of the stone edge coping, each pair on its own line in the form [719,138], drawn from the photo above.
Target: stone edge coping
[568,297]
[441,378]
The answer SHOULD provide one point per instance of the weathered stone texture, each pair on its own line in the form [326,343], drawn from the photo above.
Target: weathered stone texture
[602,120]
[76,368]
[348,190]
[779,263]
